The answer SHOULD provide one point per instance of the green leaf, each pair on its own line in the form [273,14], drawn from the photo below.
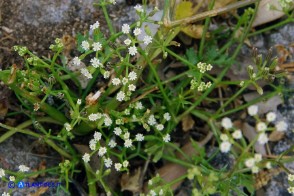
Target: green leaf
[191,56]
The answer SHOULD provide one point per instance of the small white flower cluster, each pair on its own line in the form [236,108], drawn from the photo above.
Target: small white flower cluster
[137,31]
[196,82]
[121,132]
[262,127]
[101,151]
[200,87]
[5,194]
[23,168]
[291,179]
[226,139]
[2,173]
[203,67]
[138,8]
[151,121]
[253,162]
[67,127]
[57,46]
[126,81]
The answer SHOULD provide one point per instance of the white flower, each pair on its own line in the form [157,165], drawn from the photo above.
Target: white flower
[268,165]
[5,194]
[102,151]
[11,178]
[257,157]
[23,168]
[271,116]
[124,81]
[237,134]
[152,193]
[147,39]
[166,138]
[86,157]
[225,146]
[106,74]
[76,61]
[151,120]
[119,121]
[126,135]
[159,127]
[67,126]
[93,117]
[167,116]
[132,87]
[132,75]
[85,45]
[96,62]
[115,81]
[139,137]
[95,26]
[107,121]
[133,50]
[281,126]
[92,144]
[117,131]
[224,137]
[97,136]
[97,46]
[209,67]
[79,101]
[139,105]
[261,126]
[250,162]
[290,189]
[125,28]
[107,162]
[113,2]
[255,169]
[137,31]
[138,8]
[252,110]
[86,73]
[291,177]
[112,143]
[262,138]
[2,173]
[227,123]
[242,83]
[127,42]
[117,166]
[126,163]
[128,143]
[120,96]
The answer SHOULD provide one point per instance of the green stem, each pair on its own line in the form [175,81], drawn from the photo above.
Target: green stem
[264,97]
[204,95]
[159,82]
[177,161]
[31,133]
[244,87]
[244,36]
[108,21]
[90,178]
[206,24]
[267,29]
